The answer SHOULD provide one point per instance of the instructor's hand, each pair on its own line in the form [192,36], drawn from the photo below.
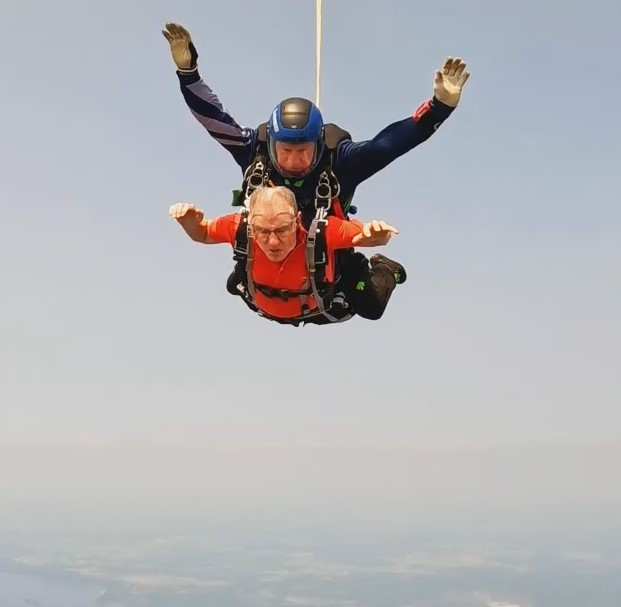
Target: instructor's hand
[450,80]
[181,47]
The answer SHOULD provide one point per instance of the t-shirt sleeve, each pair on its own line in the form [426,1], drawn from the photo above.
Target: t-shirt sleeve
[223,229]
[340,232]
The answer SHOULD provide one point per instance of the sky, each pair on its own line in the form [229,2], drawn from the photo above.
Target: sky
[116,329]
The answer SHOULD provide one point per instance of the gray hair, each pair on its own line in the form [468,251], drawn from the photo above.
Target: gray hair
[265,195]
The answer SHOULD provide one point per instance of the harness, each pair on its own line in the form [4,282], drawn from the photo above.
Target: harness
[259,170]
[331,304]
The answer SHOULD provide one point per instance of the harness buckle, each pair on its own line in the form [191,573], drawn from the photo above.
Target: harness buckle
[255,177]
[324,192]
[255,180]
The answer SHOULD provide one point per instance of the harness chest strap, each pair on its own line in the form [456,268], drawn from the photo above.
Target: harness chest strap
[326,194]
[316,260]
[271,292]
[258,171]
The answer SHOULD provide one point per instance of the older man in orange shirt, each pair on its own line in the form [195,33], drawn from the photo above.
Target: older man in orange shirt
[279,281]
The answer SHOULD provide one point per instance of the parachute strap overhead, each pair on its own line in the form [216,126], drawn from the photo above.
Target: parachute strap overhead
[318,28]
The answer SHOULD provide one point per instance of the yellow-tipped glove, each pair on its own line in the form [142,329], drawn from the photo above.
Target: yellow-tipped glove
[450,80]
[181,47]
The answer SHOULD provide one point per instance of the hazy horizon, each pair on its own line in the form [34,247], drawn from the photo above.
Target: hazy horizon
[510,485]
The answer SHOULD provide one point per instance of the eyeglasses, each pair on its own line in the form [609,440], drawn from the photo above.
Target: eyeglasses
[264,233]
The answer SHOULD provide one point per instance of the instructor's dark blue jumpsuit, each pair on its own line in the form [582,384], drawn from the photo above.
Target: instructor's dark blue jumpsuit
[354,162]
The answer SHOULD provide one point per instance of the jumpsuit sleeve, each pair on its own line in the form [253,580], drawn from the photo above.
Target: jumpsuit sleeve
[205,105]
[356,161]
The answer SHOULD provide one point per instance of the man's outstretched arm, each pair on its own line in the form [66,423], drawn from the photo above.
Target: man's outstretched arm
[343,234]
[205,231]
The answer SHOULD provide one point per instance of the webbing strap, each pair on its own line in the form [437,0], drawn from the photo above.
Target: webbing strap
[315,228]
[316,250]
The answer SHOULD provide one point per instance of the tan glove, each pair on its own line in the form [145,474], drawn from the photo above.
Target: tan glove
[181,47]
[450,80]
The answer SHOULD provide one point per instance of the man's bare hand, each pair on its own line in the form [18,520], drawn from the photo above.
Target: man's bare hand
[374,234]
[186,214]
[190,218]
[450,80]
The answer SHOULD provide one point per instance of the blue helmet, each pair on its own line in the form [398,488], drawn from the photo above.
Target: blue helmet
[296,120]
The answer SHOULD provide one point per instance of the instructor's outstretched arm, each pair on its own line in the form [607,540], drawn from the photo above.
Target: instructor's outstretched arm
[203,103]
[362,159]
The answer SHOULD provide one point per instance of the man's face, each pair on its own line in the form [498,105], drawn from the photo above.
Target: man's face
[274,230]
[294,159]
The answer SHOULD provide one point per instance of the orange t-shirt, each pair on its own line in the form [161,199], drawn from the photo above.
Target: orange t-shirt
[291,273]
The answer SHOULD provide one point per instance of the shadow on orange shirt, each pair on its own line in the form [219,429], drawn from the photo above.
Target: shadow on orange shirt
[291,273]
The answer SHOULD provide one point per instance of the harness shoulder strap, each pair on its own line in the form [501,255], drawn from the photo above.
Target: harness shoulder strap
[240,246]
[317,253]
[237,283]
[333,135]
[316,262]
[262,133]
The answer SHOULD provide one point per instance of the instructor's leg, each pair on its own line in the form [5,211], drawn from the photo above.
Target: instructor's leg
[371,291]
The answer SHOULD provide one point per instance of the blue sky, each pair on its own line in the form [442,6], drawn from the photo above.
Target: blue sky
[116,328]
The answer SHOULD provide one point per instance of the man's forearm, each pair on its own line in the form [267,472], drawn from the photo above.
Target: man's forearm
[199,232]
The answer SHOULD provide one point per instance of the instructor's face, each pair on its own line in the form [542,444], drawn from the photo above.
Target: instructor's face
[294,159]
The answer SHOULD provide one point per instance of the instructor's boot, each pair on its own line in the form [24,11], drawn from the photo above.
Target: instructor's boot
[396,269]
